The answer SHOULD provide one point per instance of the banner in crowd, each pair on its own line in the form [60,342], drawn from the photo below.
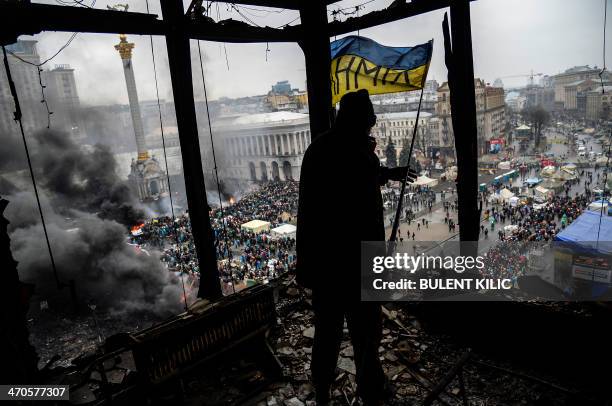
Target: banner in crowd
[360,63]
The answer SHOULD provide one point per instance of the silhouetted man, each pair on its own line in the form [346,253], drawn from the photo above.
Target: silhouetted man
[340,205]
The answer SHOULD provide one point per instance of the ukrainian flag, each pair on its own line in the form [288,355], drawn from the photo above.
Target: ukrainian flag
[360,63]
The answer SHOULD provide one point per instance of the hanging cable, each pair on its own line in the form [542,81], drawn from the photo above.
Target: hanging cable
[212,146]
[603,91]
[44,100]
[17,117]
[603,70]
[38,65]
[72,37]
[287,24]
[161,127]
[605,183]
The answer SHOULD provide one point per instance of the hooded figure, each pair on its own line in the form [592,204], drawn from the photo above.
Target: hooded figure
[340,205]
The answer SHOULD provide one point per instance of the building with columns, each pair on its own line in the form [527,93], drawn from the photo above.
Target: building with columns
[399,127]
[146,176]
[263,147]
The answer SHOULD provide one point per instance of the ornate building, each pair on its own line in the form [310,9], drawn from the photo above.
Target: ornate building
[263,147]
[398,128]
[146,175]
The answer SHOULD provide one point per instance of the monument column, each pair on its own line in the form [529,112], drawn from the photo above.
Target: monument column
[125,51]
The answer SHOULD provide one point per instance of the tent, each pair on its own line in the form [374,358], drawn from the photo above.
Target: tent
[256,226]
[514,201]
[451,173]
[425,181]
[533,181]
[583,232]
[563,175]
[284,230]
[506,194]
[538,207]
[548,171]
[598,205]
[504,165]
[569,167]
[543,192]
[553,185]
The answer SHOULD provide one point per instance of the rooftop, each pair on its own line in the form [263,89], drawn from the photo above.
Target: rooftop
[402,114]
[263,119]
[601,89]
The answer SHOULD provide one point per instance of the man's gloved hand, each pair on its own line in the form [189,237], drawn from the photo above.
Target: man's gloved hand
[399,174]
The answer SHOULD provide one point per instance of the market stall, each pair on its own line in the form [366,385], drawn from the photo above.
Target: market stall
[256,226]
[284,230]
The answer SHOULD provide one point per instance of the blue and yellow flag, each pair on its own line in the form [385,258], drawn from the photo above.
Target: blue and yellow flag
[360,63]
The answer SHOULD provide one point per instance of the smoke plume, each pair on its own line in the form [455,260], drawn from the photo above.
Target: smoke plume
[87,208]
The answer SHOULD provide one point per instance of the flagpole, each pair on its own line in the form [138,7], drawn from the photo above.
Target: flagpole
[398,212]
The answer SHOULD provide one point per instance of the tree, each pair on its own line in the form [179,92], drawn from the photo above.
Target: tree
[391,154]
[508,131]
[539,118]
[404,153]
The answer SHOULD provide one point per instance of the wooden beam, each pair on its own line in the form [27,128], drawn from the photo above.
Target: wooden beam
[179,60]
[317,58]
[463,110]
[241,33]
[387,15]
[29,19]
[288,4]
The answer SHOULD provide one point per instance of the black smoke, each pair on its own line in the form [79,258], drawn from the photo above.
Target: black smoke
[84,180]
[87,209]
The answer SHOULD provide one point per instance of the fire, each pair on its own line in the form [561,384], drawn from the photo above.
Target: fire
[232,200]
[137,227]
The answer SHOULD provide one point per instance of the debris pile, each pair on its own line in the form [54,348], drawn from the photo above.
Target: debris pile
[414,362]
[67,335]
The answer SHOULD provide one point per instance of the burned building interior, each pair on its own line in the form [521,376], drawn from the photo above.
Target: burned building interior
[252,347]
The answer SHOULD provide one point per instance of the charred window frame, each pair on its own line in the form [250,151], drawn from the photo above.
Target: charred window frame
[178,28]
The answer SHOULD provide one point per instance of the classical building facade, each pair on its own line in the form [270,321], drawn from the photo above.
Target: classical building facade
[398,128]
[570,102]
[572,76]
[599,103]
[262,147]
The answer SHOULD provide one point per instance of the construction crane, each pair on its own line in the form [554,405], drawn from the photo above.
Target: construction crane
[525,75]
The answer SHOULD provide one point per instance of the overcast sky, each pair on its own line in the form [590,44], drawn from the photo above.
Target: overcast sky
[510,37]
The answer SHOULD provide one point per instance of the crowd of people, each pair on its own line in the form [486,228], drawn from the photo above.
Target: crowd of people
[536,222]
[534,225]
[242,254]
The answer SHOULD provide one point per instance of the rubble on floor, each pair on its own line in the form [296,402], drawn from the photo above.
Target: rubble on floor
[414,362]
[55,333]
